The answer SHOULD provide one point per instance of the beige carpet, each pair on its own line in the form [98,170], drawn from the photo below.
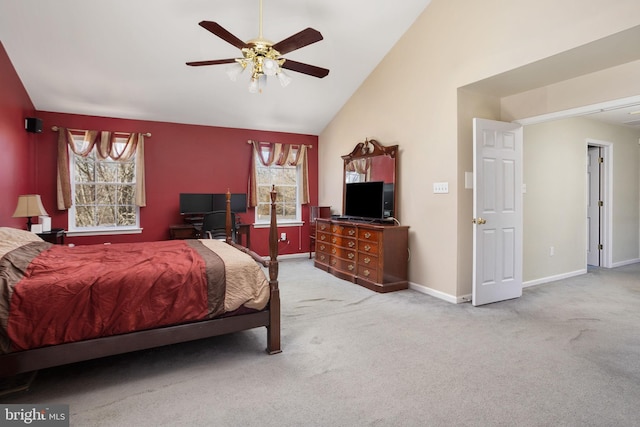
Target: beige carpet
[565,353]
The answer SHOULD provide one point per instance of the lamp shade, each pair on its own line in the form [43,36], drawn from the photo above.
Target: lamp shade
[29,205]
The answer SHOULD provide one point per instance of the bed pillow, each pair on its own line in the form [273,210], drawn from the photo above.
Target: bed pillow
[8,234]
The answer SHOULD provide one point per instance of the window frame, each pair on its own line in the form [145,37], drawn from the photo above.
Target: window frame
[73,229]
[263,223]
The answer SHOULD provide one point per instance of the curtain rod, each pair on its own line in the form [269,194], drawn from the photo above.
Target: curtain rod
[56,128]
[306,145]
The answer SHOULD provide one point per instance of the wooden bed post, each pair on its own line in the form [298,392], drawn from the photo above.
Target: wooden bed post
[273,330]
[227,224]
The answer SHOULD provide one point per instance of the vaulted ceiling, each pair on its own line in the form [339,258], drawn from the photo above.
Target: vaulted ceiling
[126,58]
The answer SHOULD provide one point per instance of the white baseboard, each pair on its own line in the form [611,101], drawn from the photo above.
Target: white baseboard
[438,294]
[467,298]
[292,256]
[553,278]
[623,263]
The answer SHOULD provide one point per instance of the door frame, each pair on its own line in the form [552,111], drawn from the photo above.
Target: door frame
[606,214]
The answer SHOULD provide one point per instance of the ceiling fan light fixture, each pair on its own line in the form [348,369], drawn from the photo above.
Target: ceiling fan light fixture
[234,70]
[270,66]
[283,78]
[257,83]
[253,85]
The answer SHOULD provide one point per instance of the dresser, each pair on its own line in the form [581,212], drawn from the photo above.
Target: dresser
[375,256]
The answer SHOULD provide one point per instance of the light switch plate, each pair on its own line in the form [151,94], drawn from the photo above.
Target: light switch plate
[440,187]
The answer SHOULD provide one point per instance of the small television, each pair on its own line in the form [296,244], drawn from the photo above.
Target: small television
[364,200]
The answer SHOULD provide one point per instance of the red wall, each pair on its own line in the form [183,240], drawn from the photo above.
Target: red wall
[178,158]
[16,145]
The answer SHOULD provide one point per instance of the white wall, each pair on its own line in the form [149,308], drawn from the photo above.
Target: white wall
[556,198]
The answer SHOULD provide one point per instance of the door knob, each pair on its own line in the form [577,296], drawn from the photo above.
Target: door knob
[479,221]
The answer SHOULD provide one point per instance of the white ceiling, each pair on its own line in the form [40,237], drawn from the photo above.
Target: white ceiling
[126,58]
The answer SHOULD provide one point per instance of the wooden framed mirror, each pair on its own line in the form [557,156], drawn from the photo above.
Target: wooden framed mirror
[371,162]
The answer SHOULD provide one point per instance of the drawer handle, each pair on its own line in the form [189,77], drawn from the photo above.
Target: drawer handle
[334,240]
[322,257]
[323,237]
[367,260]
[351,244]
[335,229]
[367,248]
[322,247]
[350,255]
[334,251]
[333,262]
[366,273]
[367,235]
[352,232]
[350,267]
[323,227]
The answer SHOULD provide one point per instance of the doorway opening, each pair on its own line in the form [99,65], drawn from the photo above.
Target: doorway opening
[599,203]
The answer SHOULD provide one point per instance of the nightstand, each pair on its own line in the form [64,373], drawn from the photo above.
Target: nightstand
[55,236]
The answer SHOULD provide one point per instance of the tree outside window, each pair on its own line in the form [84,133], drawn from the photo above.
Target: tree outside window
[285,178]
[103,192]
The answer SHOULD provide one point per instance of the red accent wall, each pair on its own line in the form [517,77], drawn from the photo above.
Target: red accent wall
[178,158]
[16,145]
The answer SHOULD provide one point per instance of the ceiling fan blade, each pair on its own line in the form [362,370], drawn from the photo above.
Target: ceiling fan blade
[300,67]
[298,40]
[211,62]
[225,35]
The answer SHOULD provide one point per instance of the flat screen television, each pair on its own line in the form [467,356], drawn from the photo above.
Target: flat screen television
[195,203]
[200,203]
[364,200]
[238,202]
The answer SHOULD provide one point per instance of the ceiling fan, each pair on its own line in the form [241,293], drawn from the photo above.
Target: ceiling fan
[263,56]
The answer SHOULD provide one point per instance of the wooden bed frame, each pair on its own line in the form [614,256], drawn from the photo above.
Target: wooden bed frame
[31,360]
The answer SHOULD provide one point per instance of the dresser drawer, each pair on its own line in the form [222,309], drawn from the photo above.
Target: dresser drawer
[323,258]
[345,242]
[369,273]
[343,253]
[323,237]
[343,264]
[323,226]
[368,247]
[344,230]
[323,247]
[368,260]
[369,235]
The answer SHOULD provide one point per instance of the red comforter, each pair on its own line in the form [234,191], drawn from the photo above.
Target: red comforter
[57,294]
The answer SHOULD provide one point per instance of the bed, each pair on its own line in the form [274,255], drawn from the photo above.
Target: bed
[62,304]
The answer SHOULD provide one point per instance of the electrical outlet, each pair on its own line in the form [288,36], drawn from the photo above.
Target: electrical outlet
[283,236]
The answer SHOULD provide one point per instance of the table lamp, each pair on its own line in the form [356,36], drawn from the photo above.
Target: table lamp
[29,205]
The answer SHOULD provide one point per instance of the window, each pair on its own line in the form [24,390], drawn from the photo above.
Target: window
[285,178]
[103,191]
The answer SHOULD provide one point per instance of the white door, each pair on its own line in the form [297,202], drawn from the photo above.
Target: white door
[497,211]
[594,203]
